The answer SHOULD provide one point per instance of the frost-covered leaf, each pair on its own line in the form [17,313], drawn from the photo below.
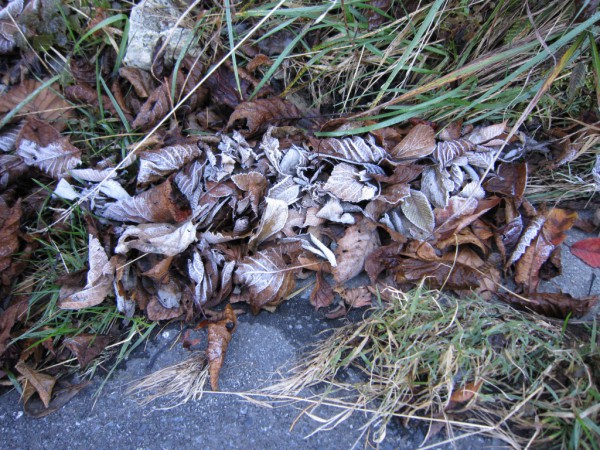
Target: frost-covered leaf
[286,190]
[418,211]
[93,175]
[446,151]
[436,185]
[196,273]
[99,280]
[155,164]
[293,158]
[13,168]
[265,276]
[472,189]
[334,212]
[64,190]
[270,146]
[169,295]
[319,249]
[481,135]
[354,149]
[162,203]
[161,238]
[419,142]
[346,183]
[113,189]
[272,221]
[8,137]
[40,145]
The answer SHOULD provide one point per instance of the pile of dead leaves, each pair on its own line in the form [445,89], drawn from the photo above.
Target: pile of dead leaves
[233,199]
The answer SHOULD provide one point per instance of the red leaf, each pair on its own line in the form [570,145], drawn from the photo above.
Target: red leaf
[588,250]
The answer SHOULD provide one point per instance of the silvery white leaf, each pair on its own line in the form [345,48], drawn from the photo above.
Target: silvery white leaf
[272,221]
[93,175]
[169,295]
[65,190]
[418,211]
[113,189]
[293,158]
[325,252]
[270,146]
[154,164]
[435,185]
[54,158]
[161,238]
[334,212]
[472,189]
[285,190]
[344,182]
[356,149]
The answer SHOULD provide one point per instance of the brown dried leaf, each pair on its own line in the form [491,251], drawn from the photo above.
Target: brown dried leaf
[559,306]
[163,203]
[154,109]
[552,234]
[155,311]
[419,142]
[14,313]
[374,18]
[322,294]
[510,180]
[61,396]
[355,297]
[42,383]
[460,213]
[588,250]
[353,249]
[86,347]
[41,145]
[141,80]
[219,336]
[10,221]
[256,116]
[46,105]
[99,280]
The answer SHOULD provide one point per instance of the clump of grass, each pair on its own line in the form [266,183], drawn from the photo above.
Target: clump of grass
[531,383]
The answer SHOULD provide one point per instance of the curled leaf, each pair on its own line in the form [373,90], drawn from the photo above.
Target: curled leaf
[99,280]
[219,336]
[161,238]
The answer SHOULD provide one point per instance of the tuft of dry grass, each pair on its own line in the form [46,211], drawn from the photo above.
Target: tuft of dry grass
[178,384]
[466,365]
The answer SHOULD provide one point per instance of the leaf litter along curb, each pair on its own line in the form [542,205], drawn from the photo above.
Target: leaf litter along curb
[209,216]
